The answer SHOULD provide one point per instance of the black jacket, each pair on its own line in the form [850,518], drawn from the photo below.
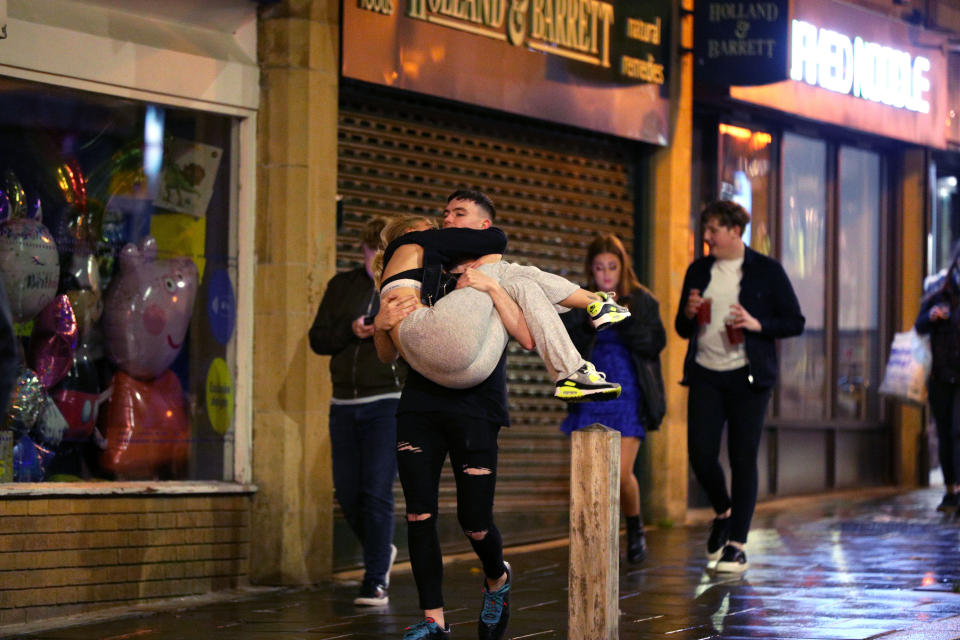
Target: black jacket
[766,293]
[944,334]
[355,368]
[644,337]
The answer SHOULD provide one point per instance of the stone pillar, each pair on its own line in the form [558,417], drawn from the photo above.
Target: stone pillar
[292,525]
[907,420]
[594,589]
[665,495]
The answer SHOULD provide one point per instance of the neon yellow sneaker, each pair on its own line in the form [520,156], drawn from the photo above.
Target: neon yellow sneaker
[586,385]
[605,313]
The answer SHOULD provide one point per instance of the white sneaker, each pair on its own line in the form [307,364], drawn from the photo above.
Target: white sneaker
[586,384]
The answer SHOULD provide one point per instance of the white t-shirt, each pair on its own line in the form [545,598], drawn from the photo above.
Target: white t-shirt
[714,350]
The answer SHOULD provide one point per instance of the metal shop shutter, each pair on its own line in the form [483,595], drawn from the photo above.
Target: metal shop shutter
[554,191]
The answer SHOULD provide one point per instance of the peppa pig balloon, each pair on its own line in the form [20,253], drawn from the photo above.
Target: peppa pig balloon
[147,310]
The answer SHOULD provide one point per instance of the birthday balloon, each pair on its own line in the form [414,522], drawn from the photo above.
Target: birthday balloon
[26,402]
[54,339]
[29,266]
[147,310]
[146,428]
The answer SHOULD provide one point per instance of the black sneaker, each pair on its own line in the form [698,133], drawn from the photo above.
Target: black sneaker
[496,609]
[426,630]
[719,534]
[372,595]
[605,312]
[732,560]
[950,503]
[636,545]
[586,384]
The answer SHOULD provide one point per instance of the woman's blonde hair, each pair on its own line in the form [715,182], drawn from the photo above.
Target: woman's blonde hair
[395,228]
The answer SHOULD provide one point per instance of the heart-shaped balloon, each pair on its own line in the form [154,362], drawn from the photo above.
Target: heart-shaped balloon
[54,339]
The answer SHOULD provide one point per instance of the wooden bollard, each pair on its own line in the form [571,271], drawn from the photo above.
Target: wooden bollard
[594,595]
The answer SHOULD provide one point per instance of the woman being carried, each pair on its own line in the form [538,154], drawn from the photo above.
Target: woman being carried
[458,342]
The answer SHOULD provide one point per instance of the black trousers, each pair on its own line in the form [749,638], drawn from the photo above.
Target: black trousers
[423,442]
[945,406]
[719,398]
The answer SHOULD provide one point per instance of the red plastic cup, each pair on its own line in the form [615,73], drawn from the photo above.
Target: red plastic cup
[734,334]
[703,312]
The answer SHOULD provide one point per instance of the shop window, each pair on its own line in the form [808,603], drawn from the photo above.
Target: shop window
[801,390]
[858,303]
[745,179]
[946,220]
[118,255]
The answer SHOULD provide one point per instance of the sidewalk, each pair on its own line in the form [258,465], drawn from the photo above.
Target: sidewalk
[875,565]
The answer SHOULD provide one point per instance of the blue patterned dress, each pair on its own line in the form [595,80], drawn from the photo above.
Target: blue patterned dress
[611,356]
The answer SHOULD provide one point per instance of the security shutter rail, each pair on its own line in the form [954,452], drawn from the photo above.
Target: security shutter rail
[554,190]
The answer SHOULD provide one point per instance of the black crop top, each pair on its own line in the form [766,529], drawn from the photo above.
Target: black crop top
[448,247]
[410,274]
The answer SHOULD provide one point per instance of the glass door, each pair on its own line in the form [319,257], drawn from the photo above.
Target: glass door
[801,391]
[858,288]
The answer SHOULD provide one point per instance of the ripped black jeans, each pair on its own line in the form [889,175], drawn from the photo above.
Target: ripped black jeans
[423,441]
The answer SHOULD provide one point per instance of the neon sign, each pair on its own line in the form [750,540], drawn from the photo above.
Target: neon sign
[829,59]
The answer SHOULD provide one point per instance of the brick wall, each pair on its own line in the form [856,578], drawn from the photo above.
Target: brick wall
[69,555]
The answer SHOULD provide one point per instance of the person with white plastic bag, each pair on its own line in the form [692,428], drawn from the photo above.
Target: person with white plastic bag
[939,318]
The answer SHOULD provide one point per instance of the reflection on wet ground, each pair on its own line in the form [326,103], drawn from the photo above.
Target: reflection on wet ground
[826,568]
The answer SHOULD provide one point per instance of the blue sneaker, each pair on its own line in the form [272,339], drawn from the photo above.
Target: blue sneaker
[426,630]
[496,609]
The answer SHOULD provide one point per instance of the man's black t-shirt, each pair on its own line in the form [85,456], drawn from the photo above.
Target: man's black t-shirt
[487,400]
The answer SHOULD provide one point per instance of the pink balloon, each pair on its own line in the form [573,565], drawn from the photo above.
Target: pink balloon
[147,310]
[54,339]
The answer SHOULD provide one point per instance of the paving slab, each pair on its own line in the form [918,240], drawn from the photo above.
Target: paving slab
[837,567]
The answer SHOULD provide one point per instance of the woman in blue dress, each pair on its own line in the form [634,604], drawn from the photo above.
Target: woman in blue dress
[630,353]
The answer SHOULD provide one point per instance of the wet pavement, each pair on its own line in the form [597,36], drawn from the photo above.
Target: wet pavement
[826,568]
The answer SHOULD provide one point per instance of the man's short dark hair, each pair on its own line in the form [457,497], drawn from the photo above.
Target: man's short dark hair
[477,197]
[727,213]
[370,236]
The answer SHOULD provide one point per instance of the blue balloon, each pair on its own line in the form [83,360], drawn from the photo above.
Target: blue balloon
[30,460]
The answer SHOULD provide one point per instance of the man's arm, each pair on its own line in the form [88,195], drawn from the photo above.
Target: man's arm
[509,310]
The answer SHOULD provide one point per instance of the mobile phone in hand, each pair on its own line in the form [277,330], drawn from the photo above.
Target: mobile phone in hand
[367,320]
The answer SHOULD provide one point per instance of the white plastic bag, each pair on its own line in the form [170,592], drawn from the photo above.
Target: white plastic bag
[908,368]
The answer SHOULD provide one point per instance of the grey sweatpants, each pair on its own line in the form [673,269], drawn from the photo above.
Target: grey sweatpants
[458,341]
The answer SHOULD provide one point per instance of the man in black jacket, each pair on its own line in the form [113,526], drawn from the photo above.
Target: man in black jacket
[734,305]
[363,427]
